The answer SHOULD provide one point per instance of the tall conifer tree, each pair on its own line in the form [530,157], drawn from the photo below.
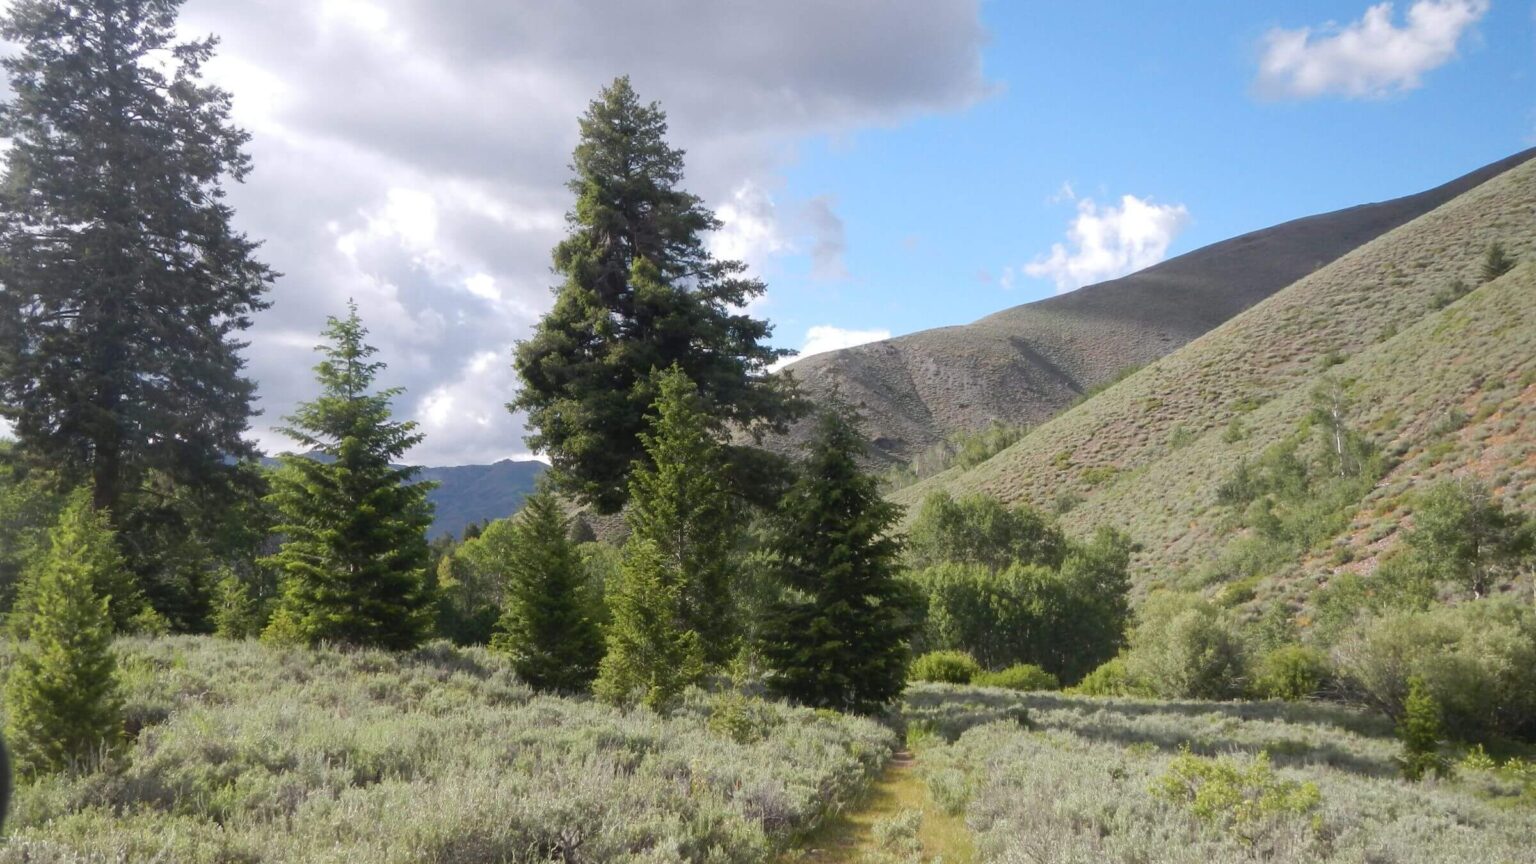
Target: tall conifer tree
[679,502]
[547,625]
[839,637]
[355,555]
[62,699]
[640,292]
[123,285]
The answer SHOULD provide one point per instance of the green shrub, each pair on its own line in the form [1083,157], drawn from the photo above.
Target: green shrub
[945,667]
[1477,661]
[1234,794]
[1186,648]
[1291,672]
[1110,679]
[1020,676]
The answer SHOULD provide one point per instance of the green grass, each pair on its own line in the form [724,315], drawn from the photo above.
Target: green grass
[897,819]
[245,754]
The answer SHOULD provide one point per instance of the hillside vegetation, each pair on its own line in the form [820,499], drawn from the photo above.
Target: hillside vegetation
[1437,367]
[1023,365]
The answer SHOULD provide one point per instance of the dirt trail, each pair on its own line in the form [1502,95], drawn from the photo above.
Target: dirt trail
[850,837]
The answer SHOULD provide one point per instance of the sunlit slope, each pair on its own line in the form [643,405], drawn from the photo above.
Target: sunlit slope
[1150,452]
[1025,364]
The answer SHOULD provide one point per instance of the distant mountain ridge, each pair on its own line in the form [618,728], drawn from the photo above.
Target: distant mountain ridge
[1026,364]
[470,494]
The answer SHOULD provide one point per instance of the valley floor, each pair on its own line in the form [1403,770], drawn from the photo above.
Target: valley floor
[244,754]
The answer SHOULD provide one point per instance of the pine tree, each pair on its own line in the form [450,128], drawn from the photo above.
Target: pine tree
[1420,731]
[650,652]
[125,284]
[355,555]
[679,502]
[1496,263]
[547,624]
[82,538]
[62,698]
[840,637]
[236,614]
[640,292]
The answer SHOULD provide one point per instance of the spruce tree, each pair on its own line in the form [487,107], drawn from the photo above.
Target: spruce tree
[839,638]
[125,284]
[651,653]
[82,538]
[1496,262]
[62,697]
[236,614]
[355,554]
[640,292]
[547,625]
[1421,731]
[679,502]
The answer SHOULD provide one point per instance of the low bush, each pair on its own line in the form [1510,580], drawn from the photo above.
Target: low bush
[1110,679]
[1020,676]
[1291,672]
[1238,795]
[945,667]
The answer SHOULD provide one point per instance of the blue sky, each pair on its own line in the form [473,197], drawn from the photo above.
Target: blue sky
[1168,107]
[885,165]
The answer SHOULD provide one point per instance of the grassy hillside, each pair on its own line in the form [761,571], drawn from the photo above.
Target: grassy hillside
[250,754]
[1025,364]
[1117,780]
[1440,390]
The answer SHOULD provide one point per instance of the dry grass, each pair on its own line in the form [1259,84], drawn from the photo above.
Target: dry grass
[1244,386]
[1024,365]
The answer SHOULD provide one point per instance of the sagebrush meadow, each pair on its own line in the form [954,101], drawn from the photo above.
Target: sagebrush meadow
[1225,557]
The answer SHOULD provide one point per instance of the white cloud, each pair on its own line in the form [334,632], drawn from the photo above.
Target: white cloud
[1369,58]
[462,416]
[750,230]
[824,337]
[1109,242]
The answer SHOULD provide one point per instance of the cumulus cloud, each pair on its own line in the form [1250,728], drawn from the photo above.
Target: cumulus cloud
[824,337]
[751,230]
[412,154]
[1108,242]
[1369,58]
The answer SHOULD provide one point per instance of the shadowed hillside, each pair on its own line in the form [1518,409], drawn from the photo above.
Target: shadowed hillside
[1025,364]
[1438,361]
[469,494]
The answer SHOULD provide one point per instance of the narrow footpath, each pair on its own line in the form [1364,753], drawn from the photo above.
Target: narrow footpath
[852,837]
